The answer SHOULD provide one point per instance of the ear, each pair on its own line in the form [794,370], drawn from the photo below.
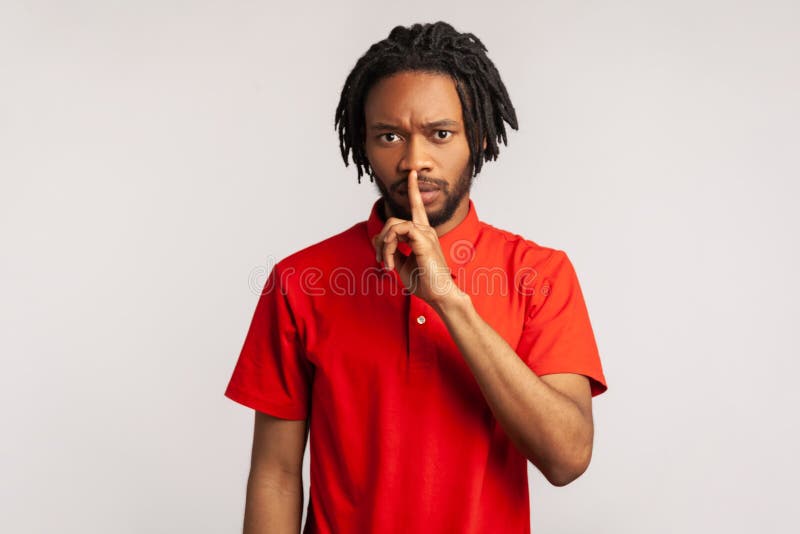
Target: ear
[484,143]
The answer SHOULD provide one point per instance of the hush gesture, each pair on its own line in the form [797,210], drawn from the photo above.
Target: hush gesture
[424,272]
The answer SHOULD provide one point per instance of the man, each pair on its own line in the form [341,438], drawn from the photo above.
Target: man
[431,355]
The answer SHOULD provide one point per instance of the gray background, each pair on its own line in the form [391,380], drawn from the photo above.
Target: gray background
[157,157]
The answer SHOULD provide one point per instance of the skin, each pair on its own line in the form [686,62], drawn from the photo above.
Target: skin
[275,497]
[414,121]
[548,418]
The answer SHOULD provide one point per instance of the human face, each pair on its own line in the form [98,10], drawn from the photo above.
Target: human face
[414,122]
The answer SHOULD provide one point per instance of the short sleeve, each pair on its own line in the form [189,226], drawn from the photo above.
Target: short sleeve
[557,335]
[272,374]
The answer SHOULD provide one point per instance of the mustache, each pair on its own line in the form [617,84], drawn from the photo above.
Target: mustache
[421,179]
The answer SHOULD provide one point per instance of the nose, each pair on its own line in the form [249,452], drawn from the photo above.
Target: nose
[415,157]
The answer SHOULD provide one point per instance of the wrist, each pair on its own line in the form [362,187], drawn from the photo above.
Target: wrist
[452,302]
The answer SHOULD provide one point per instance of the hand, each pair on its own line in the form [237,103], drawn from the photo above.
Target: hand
[425,271]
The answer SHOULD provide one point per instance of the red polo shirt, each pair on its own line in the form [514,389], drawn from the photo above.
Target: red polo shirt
[401,437]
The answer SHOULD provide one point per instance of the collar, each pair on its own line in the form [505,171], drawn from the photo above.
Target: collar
[458,244]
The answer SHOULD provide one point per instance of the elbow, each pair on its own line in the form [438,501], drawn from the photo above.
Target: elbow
[568,470]
[564,477]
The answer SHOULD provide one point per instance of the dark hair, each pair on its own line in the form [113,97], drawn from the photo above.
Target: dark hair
[435,48]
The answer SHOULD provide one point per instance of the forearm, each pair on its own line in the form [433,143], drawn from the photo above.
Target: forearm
[546,426]
[274,504]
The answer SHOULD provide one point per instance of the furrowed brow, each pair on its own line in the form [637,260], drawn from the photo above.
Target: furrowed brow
[428,126]
[438,124]
[383,126]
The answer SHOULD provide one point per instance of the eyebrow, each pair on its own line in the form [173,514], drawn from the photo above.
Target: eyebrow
[427,125]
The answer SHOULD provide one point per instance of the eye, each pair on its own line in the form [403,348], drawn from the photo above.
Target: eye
[442,138]
[383,137]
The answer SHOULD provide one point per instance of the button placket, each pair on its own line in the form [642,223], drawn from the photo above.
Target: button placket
[421,348]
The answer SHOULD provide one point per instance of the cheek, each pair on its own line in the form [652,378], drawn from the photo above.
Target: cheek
[382,159]
[458,156]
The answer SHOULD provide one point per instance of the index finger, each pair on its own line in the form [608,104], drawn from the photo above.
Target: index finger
[418,213]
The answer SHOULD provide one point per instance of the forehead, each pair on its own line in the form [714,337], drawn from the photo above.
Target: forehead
[413,97]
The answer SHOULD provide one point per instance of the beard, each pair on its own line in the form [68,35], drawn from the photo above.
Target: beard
[452,197]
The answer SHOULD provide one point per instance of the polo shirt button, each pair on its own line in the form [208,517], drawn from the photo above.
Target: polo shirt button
[421,319]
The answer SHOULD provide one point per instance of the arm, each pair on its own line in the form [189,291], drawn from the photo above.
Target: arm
[275,485]
[548,418]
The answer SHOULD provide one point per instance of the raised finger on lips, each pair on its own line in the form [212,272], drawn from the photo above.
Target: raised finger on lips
[418,213]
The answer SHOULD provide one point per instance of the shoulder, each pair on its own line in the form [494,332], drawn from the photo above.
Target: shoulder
[520,251]
[333,249]
[310,269]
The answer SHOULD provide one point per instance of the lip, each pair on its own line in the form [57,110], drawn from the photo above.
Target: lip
[428,197]
[423,188]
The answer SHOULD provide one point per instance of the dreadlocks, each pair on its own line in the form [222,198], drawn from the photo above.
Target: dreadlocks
[435,48]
